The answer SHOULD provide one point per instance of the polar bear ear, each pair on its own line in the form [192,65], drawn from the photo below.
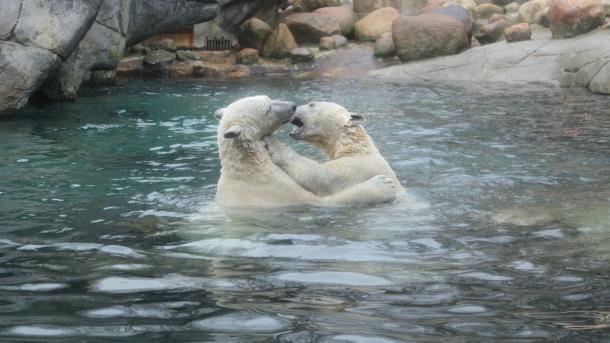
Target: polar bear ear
[355,119]
[233,132]
[219,112]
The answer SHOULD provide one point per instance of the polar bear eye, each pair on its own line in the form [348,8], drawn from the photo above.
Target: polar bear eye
[312,105]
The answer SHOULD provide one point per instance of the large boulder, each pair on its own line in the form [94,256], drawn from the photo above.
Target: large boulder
[312,5]
[530,9]
[310,27]
[35,37]
[568,18]
[247,56]
[459,13]
[486,10]
[343,15]
[518,32]
[253,33]
[492,32]
[468,5]
[384,46]
[375,24]
[428,35]
[279,43]
[364,7]
[301,55]
[159,63]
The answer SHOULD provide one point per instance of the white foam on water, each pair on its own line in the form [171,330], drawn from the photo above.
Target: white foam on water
[553,233]
[36,287]
[170,282]
[486,276]
[126,267]
[242,322]
[526,266]
[349,251]
[85,331]
[357,339]
[335,278]
[85,247]
[467,309]
[155,310]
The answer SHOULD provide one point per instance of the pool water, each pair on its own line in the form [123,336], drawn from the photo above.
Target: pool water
[108,228]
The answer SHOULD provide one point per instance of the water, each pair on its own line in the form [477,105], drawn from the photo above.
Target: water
[108,230]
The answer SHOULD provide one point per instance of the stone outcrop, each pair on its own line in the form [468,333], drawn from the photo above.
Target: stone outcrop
[375,24]
[568,18]
[35,37]
[55,43]
[344,16]
[310,27]
[582,61]
[428,35]
[279,43]
[253,33]
[518,32]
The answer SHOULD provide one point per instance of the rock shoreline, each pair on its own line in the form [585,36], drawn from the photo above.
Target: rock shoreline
[581,61]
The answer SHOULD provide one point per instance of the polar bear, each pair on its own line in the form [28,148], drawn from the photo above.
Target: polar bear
[352,155]
[250,179]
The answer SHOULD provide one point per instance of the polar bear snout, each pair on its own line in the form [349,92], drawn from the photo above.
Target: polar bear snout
[283,110]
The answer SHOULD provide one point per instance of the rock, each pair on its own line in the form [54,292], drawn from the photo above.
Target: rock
[428,35]
[301,55]
[159,57]
[159,63]
[513,18]
[311,5]
[568,18]
[32,48]
[384,46]
[120,23]
[376,23]
[468,5]
[279,43]
[581,61]
[102,77]
[310,27]
[139,49]
[340,41]
[501,2]
[542,18]
[247,56]
[459,13]
[344,16]
[492,32]
[518,32]
[238,72]
[253,33]
[528,10]
[484,11]
[364,7]
[495,18]
[513,7]
[327,43]
[166,44]
[185,55]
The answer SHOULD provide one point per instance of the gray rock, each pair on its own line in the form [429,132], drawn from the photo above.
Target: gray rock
[582,61]
[312,5]
[340,41]
[253,33]
[327,43]
[344,16]
[457,12]
[159,63]
[513,7]
[32,46]
[185,55]
[166,44]
[364,7]
[301,55]
[492,32]
[428,35]
[384,46]
[310,27]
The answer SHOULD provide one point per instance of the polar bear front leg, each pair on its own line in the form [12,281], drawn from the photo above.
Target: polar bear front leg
[311,175]
[376,190]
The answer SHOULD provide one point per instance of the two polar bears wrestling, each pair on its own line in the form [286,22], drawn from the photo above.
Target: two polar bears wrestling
[258,171]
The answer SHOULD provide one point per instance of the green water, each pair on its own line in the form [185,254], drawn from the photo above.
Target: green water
[108,229]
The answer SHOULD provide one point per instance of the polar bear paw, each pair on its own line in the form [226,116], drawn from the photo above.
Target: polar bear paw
[382,189]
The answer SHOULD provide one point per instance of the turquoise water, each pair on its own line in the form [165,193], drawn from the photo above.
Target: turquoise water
[108,229]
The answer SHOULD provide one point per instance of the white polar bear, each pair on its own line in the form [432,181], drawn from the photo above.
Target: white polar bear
[352,155]
[250,179]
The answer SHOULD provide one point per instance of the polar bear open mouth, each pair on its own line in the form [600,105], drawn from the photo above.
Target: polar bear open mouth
[298,131]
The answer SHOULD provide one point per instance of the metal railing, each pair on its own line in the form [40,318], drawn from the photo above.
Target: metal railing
[218,44]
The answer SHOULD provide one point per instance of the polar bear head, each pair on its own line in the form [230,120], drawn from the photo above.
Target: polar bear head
[327,125]
[249,119]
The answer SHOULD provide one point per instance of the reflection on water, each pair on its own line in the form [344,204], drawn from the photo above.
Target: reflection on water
[108,229]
